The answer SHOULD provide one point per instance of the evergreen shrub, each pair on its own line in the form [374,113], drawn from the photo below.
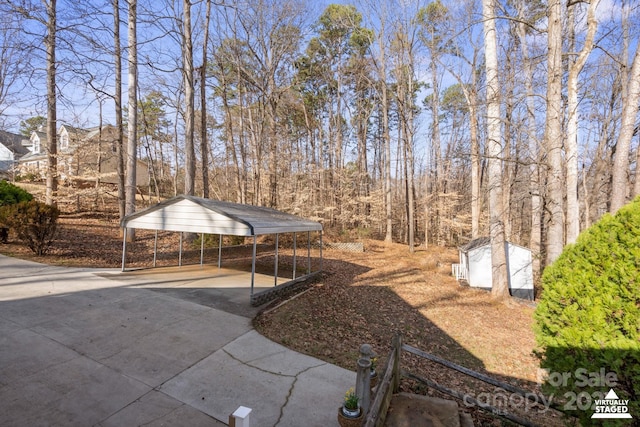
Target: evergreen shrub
[10,194]
[587,323]
[35,223]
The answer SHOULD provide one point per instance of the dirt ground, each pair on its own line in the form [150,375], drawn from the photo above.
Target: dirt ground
[360,298]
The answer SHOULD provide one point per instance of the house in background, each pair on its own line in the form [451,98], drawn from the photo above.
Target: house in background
[35,161]
[85,156]
[12,149]
[475,267]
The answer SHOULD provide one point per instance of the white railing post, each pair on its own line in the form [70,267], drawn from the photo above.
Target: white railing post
[240,418]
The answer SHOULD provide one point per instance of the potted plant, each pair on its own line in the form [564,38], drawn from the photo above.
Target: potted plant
[350,407]
[350,415]
[373,374]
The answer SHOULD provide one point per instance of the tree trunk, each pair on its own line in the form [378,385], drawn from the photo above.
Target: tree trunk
[242,172]
[52,138]
[506,159]
[437,146]
[571,157]
[500,282]
[98,161]
[386,141]
[553,134]
[410,185]
[535,237]
[187,76]
[475,159]
[621,159]
[132,126]
[204,143]
[117,57]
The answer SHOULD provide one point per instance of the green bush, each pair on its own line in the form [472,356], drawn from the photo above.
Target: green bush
[11,194]
[587,322]
[34,223]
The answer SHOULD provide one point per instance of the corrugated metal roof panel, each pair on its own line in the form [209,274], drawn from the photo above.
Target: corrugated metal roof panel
[199,215]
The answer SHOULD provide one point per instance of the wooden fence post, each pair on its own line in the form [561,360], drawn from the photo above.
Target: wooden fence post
[363,377]
[397,349]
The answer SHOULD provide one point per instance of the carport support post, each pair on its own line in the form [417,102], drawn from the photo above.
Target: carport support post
[308,252]
[155,248]
[320,250]
[220,251]
[201,249]
[295,243]
[180,252]
[275,274]
[253,264]
[124,247]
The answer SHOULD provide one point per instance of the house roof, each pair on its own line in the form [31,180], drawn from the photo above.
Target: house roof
[40,134]
[14,143]
[199,215]
[74,132]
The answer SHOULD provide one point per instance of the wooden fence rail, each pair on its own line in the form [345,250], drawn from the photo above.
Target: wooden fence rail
[387,387]
[390,382]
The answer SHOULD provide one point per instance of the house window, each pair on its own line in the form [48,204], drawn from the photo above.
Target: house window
[64,141]
[36,145]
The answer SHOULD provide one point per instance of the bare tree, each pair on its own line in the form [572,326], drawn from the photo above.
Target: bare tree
[500,282]
[204,143]
[132,129]
[404,47]
[469,88]
[52,137]
[571,146]
[620,184]
[265,37]
[433,19]
[187,77]
[528,12]
[553,134]
[14,60]
[380,62]
[117,59]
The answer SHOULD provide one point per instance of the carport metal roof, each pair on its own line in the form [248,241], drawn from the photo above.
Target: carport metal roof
[198,215]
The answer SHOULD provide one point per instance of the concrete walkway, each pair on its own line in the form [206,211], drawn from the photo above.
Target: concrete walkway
[93,347]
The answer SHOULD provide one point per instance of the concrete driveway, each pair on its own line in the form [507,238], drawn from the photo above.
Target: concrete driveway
[95,347]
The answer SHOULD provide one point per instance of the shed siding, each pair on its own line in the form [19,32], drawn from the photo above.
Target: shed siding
[519,268]
[480,267]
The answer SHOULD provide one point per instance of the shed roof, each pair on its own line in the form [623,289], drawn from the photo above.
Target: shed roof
[476,243]
[484,241]
[199,215]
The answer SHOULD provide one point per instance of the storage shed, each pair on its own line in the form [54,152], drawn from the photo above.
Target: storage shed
[198,215]
[475,267]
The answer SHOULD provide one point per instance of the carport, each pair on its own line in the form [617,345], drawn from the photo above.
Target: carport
[189,214]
